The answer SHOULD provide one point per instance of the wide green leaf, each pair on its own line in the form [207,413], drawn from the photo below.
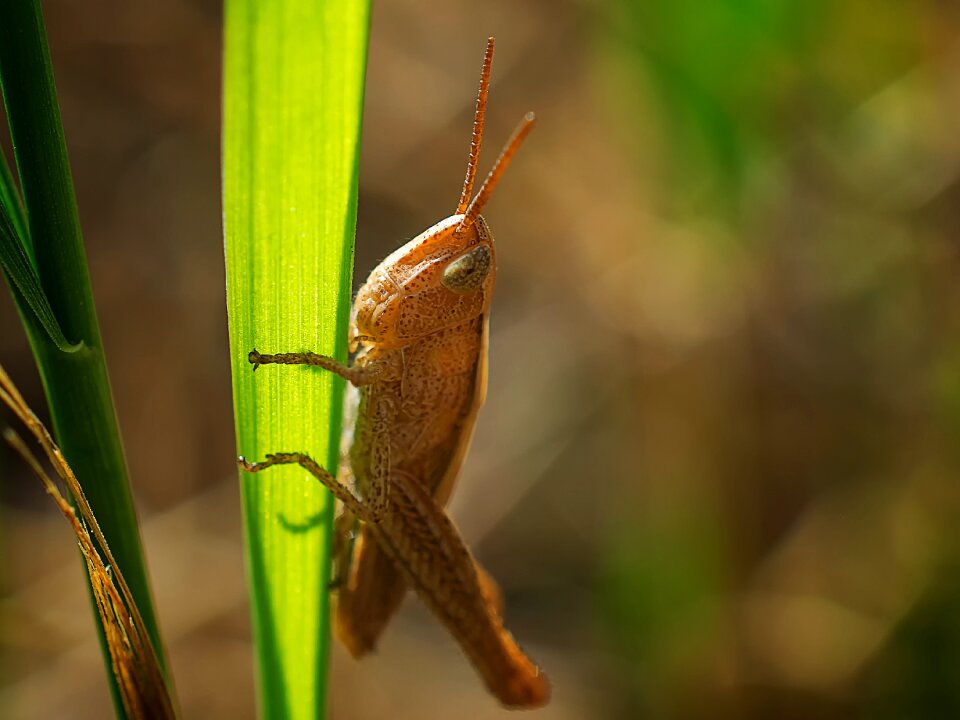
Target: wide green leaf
[293,93]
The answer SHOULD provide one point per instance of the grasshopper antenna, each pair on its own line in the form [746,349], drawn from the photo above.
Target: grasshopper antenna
[478,119]
[506,155]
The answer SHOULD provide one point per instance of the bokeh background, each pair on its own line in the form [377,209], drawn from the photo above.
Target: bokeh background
[717,471]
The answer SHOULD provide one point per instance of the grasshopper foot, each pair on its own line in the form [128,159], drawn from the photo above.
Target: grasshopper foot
[253,467]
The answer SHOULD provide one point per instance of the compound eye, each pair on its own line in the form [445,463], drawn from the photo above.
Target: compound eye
[466,274]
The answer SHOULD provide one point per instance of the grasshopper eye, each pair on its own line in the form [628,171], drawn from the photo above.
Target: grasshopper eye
[467,273]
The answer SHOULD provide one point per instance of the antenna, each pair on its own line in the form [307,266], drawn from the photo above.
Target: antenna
[513,144]
[478,119]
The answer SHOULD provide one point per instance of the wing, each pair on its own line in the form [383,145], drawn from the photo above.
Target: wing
[444,489]
[375,588]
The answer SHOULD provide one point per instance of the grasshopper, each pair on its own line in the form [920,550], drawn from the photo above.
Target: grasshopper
[419,336]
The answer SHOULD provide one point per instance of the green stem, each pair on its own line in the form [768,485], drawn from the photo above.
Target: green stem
[76,383]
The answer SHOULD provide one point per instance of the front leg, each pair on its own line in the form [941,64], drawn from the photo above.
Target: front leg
[367,510]
[357,375]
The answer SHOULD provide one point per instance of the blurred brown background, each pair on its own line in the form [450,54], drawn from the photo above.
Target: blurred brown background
[717,471]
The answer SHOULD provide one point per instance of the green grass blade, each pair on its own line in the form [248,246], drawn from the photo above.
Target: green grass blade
[293,93]
[11,203]
[76,383]
[23,279]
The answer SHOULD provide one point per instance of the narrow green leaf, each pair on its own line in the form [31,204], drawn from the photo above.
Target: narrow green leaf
[10,202]
[76,383]
[21,275]
[293,93]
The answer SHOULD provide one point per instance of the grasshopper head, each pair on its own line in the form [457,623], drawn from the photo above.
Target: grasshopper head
[442,278]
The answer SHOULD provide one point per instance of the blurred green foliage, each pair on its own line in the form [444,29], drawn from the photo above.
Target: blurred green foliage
[740,79]
[811,141]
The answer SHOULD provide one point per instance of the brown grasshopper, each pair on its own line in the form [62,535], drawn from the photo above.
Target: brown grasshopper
[419,331]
